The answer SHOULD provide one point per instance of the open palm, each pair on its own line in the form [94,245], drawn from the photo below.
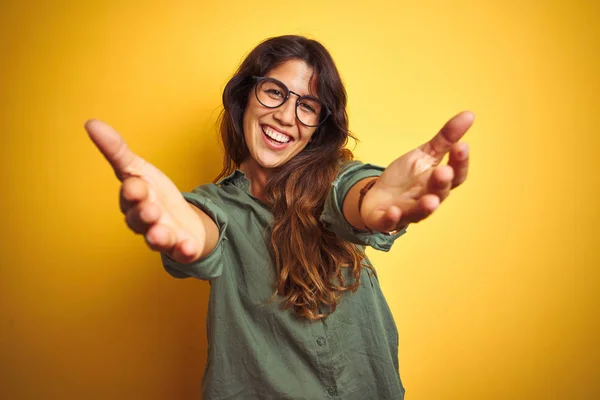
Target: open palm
[415,184]
[150,201]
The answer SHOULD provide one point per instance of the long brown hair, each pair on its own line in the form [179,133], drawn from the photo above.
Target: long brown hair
[309,258]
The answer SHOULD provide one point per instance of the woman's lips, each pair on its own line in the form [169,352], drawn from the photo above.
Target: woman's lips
[274,144]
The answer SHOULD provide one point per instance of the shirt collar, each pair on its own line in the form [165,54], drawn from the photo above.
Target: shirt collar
[240,181]
[237,179]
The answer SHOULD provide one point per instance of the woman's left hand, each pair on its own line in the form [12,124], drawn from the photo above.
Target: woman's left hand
[414,185]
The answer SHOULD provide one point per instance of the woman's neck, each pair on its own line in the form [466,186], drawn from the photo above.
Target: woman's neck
[257,175]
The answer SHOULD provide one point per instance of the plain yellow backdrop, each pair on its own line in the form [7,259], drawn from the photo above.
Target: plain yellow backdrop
[495,296]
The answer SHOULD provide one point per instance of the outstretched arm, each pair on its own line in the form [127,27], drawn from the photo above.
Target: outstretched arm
[152,204]
[412,187]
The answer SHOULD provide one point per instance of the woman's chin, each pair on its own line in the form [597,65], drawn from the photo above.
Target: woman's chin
[270,162]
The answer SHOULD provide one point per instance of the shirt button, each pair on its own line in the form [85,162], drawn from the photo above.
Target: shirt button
[331,391]
[320,340]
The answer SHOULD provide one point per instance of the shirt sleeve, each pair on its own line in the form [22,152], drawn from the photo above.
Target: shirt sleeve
[211,266]
[333,217]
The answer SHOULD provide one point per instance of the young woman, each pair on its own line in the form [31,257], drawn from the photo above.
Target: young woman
[295,311]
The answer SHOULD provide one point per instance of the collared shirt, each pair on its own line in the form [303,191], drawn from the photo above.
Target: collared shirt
[258,350]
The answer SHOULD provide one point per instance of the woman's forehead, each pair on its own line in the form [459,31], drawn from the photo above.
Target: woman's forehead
[297,75]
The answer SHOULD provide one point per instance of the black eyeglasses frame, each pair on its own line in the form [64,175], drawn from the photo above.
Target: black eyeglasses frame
[259,79]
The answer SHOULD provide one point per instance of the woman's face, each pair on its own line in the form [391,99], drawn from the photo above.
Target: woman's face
[274,135]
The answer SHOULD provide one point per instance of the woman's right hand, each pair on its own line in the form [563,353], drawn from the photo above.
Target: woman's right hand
[152,204]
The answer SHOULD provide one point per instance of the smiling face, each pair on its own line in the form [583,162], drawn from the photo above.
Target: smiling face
[274,135]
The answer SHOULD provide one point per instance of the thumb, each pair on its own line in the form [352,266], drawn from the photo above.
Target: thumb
[113,147]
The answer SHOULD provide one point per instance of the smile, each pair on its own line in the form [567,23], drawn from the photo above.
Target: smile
[274,135]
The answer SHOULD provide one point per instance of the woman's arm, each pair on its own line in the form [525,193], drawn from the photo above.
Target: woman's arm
[212,232]
[152,204]
[350,206]
[414,185]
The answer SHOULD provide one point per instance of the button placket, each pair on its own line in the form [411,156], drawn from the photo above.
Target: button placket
[324,359]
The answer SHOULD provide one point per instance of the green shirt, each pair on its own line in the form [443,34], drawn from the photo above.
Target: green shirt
[257,350]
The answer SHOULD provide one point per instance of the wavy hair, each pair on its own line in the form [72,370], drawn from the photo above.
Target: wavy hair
[309,259]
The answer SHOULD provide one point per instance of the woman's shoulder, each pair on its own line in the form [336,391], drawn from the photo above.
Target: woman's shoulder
[207,189]
[345,164]
[351,167]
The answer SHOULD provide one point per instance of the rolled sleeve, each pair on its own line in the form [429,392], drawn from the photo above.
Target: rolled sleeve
[211,266]
[333,217]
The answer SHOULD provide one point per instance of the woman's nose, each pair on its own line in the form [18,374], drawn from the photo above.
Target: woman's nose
[286,113]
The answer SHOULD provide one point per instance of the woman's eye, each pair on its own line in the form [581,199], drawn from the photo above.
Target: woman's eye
[274,93]
[307,107]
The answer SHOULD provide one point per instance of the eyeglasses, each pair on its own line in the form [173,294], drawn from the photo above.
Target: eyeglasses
[272,93]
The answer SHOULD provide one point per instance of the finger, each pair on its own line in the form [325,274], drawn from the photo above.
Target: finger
[423,208]
[133,191]
[392,218]
[113,147]
[451,133]
[440,181]
[386,220]
[459,161]
[141,217]
[161,238]
[186,251]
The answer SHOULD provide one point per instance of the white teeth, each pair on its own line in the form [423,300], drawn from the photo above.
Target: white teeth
[279,137]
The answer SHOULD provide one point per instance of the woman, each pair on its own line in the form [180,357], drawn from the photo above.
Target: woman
[295,311]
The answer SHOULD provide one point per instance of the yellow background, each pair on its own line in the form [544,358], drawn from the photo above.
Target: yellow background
[495,296]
